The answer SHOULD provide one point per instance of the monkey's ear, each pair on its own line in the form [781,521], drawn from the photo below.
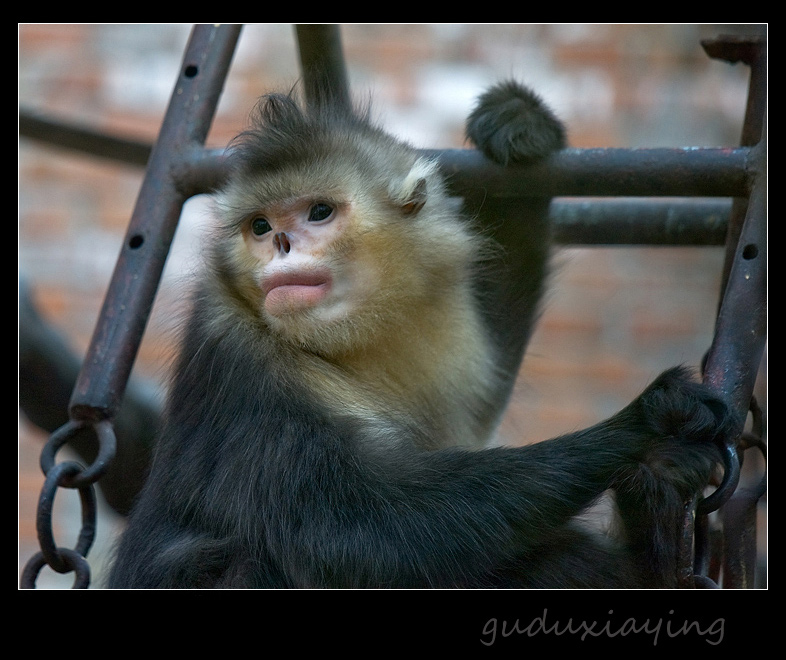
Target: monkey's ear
[413,192]
[416,198]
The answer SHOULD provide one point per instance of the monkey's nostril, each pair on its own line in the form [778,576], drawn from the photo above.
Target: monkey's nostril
[281,241]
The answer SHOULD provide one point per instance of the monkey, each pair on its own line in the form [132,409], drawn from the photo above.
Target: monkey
[344,365]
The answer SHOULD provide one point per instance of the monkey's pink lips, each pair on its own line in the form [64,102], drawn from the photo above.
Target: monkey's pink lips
[290,292]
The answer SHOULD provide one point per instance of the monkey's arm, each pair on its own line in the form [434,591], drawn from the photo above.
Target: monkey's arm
[453,518]
[252,488]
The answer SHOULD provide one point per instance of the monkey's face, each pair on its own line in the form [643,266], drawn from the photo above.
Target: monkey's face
[294,245]
[309,279]
[347,261]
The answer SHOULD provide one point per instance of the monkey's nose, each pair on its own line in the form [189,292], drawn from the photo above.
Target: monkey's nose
[281,241]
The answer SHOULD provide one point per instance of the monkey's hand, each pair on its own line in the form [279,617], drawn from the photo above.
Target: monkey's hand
[511,124]
[683,424]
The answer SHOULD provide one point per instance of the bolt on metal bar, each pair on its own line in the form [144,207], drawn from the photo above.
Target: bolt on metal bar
[129,299]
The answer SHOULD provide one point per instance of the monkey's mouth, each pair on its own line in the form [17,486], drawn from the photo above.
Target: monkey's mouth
[291,292]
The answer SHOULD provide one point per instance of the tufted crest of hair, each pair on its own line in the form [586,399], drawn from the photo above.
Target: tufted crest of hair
[290,151]
[282,134]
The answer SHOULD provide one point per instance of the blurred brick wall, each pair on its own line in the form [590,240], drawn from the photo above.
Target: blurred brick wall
[616,316]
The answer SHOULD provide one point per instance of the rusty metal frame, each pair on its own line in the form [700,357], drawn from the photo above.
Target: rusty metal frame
[179,166]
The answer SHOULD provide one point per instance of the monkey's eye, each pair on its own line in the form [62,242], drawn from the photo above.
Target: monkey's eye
[319,212]
[260,226]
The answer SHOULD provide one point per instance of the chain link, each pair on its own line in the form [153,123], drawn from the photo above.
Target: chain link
[69,474]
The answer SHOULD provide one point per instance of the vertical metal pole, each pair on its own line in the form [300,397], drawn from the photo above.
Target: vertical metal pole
[129,299]
[741,328]
[322,64]
[752,52]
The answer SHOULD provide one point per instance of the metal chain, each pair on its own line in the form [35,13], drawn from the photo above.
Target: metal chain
[69,474]
[706,554]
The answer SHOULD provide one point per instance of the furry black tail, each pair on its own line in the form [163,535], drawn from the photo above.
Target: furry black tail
[511,124]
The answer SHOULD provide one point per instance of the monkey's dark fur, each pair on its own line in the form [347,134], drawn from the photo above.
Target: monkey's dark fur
[258,482]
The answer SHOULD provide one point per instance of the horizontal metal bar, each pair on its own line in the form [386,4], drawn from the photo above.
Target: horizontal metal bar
[84,139]
[580,222]
[693,172]
[700,172]
[636,221]
[687,172]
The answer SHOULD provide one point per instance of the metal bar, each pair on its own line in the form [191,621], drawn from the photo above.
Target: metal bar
[322,63]
[707,172]
[739,548]
[84,139]
[127,304]
[689,172]
[753,52]
[741,330]
[576,222]
[604,173]
[741,327]
[736,354]
[634,221]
